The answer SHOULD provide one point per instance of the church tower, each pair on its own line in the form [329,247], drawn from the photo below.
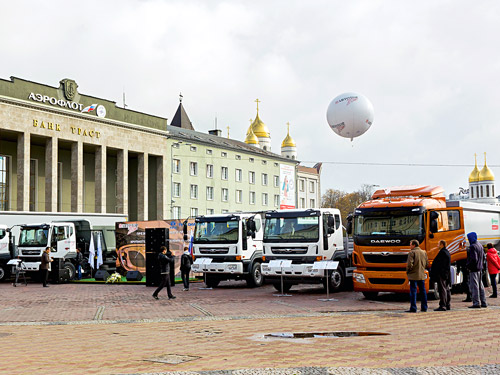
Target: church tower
[288,146]
[261,131]
[482,184]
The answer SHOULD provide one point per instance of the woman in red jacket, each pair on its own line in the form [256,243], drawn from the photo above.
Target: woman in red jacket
[493,267]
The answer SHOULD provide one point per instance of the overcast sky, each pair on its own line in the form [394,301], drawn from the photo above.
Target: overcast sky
[430,68]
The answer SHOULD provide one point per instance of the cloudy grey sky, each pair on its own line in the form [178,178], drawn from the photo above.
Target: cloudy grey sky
[430,68]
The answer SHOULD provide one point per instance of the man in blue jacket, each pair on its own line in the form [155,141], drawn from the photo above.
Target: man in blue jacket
[475,261]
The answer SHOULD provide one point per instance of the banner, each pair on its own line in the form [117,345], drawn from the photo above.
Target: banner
[131,242]
[287,186]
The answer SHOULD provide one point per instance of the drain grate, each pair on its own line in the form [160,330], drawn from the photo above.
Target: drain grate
[307,335]
[172,359]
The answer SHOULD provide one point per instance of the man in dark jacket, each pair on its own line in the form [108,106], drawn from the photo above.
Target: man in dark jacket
[440,273]
[45,265]
[165,262]
[475,260]
[186,261]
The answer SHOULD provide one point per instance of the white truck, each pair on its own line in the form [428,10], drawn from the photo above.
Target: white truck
[233,242]
[6,251]
[304,237]
[63,237]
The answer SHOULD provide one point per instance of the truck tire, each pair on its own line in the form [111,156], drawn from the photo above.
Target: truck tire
[336,278]
[286,286]
[370,295]
[71,268]
[4,272]
[212,281]
[255,277]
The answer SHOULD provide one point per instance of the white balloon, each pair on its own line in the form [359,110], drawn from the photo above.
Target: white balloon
[350,115]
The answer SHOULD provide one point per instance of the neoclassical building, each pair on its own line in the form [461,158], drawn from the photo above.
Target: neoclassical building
[63,151]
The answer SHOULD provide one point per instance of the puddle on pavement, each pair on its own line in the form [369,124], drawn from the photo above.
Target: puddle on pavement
[307,335]
[172,359]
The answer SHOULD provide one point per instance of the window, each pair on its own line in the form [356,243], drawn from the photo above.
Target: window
[313,203]
[210,193]
[251,160]
[239,196]
[239,175]
[264,179]
[276,200]
[311,186]
[264,199]
[193,168]
[264,162]
[275,164]
[210,171]
[193,211]
[176,212]
[472,193]
[209,152]
[238,157]
[487,190]
[223,154]
[176,166]
[448,220]
[224,211]
[177,189]
[302,203]
[225,194]
[4,182]
[223,173]
[210,211]
[276,180]
[301,185]
[193,148]
[251,177]
[194,191]
[33,183]
[252,197]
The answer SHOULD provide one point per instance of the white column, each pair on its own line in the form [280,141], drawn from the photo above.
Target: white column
[100,179]
[162,209]
[77,177]
[51,146]
[122,181]
[23,172]
[142,187]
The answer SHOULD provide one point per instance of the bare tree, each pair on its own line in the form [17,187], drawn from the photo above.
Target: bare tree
[346,202]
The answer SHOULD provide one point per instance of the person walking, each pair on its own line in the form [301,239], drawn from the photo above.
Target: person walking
[415,270]
[493,267]
[165,262]
[186,261]
[475,259]
[440,273]
[45,266]
[79,261]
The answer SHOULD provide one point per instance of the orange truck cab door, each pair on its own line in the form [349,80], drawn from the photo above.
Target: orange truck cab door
[445,224]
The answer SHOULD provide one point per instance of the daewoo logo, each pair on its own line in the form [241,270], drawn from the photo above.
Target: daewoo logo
[385,241]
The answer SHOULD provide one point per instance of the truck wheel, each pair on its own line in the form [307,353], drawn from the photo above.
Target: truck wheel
[211,281]
[4,272]
[71,268]
[255,278]
[336,279]
[286,287]
[370,295]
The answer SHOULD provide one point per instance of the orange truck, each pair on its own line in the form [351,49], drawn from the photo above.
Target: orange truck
[383,227]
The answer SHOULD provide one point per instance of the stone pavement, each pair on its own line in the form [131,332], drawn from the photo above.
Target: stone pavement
[121,329]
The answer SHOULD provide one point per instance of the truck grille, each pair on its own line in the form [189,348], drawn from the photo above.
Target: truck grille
[30,252]
[386,257]
[289,250]
[387,281]
[30,259]
[211,250]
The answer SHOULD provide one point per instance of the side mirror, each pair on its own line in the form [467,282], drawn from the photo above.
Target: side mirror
[348,227]
[434,226]
[331,222]
[331,230]
[251,225]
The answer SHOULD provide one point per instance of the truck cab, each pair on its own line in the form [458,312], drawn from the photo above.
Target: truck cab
[304,237]
[233,242]
[6,252]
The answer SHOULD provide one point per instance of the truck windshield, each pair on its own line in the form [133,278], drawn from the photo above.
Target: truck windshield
[388,223]
[3,232]
[216,231]
[35,237]
[292,229]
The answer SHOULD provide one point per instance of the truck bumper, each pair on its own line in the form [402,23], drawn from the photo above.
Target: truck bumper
[387,281]
[295,270]
[234,268]
[32,266]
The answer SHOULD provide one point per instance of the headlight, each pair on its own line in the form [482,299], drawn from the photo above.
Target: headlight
[265,268]
[360,278]
[231,267]
[309,268]
[196,266]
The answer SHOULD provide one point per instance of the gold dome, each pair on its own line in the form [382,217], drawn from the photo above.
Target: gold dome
[251,138]
[288,141]
[259,128]
[486,174]
[474,175]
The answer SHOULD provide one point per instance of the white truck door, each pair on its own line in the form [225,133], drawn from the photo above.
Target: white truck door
[61,239]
